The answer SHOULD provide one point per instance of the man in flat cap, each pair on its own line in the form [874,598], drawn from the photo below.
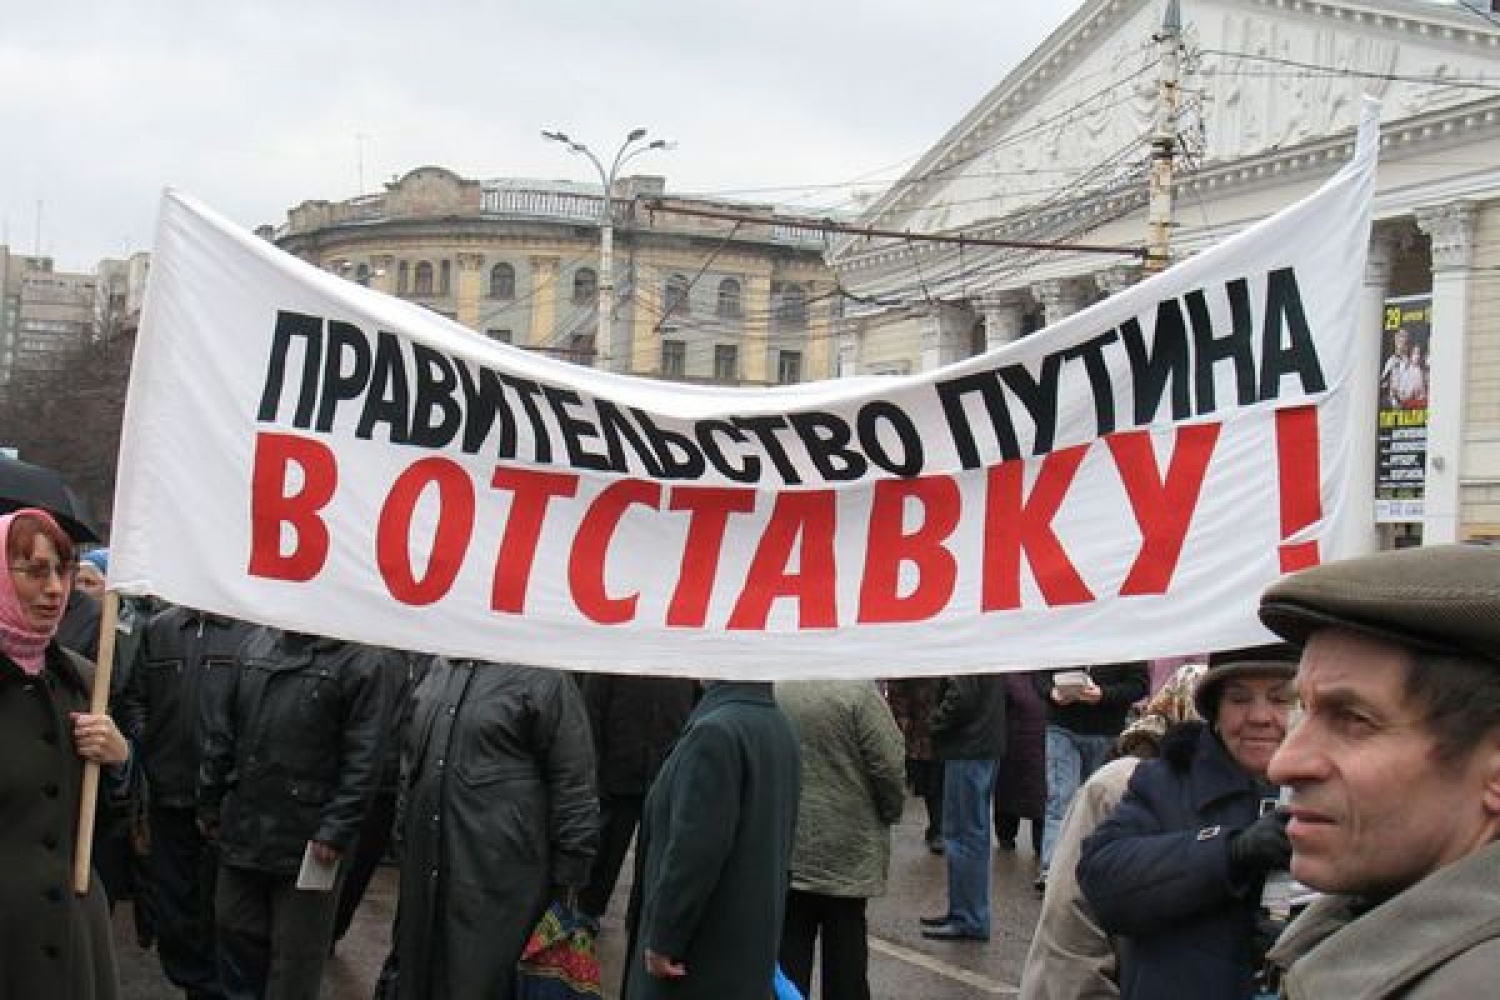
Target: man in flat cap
[1395,774]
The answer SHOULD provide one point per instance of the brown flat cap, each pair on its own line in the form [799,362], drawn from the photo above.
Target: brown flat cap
[1442,597]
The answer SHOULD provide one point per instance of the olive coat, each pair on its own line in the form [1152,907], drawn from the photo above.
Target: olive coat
[53,943]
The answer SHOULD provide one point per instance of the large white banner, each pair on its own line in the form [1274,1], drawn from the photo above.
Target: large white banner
[301,451]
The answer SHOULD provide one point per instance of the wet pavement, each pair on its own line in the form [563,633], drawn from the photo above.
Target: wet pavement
[903,964]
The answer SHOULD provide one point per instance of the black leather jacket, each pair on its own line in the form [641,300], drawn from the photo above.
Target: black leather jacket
[292,747]
[969,723]
[183,654]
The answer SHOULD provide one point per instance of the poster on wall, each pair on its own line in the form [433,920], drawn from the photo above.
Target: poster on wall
[1401,448]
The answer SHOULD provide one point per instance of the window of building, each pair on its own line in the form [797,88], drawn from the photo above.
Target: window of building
[422,278]
[502,282]
[403,278]
[675,297]
[726,363]
[362,274]
[791,307]
[581,349]
[445,277]
[788,367]
[673,358]
[729,299]
[585,286]
[495,333]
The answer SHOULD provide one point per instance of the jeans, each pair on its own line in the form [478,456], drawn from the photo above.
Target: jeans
[968,787]
[1071,758]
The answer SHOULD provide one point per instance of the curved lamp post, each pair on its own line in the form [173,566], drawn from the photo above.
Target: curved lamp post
[632,147]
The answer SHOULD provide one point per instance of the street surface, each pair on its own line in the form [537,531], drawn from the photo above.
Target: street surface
[903,964]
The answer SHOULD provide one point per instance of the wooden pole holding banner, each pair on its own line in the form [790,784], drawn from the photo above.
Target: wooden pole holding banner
[83,849]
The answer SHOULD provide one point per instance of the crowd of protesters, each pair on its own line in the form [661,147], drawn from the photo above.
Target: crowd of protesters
[1195,839]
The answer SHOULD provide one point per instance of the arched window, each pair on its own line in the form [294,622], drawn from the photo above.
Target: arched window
[445,277]
[675,297]
[585,286]
[502,282]
[422,278]
[791,307]
[729,299]
[403,278]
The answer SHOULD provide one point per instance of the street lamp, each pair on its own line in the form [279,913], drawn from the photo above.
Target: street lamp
[629,150]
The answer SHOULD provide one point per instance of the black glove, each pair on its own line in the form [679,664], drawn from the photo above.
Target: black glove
[1262,846]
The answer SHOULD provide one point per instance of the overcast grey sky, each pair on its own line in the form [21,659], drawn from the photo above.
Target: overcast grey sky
[256,106]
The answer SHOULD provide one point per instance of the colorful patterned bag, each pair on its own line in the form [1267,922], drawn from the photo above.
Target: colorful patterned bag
[558,962]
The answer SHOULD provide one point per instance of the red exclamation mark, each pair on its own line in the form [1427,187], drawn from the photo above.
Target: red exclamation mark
[1301,479]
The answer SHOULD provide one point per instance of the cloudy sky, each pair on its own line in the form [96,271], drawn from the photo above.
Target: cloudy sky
[254,107]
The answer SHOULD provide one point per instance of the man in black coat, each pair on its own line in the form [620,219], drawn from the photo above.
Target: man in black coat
[181,656]
[291,757]
[968,735]
[634,721]
[1083,722]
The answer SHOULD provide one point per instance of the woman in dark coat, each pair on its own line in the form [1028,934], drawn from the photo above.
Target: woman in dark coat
[53,943]
[913,702]
[497,810]
[1177,870]
[1021,781]
[713,859]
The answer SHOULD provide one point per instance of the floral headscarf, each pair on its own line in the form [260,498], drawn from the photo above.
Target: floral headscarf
[1172,704]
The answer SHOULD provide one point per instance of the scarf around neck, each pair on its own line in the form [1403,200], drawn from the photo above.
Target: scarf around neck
[18,641]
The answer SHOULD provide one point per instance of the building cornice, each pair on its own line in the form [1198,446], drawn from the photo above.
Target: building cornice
[1313,160]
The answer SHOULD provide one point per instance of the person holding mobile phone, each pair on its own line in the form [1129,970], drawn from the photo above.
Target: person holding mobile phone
[1086,709]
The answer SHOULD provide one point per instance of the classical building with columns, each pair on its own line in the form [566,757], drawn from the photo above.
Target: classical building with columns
[1266,98]
[748,301]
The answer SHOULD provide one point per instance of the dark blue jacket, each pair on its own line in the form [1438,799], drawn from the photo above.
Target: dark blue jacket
[1157,874]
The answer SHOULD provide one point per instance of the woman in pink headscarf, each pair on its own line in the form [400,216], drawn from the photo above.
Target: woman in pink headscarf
[53,943]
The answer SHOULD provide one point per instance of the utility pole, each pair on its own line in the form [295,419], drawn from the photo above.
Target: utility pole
[1164,143]
[627,151]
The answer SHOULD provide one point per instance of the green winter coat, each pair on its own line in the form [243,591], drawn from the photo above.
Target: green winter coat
[853,785]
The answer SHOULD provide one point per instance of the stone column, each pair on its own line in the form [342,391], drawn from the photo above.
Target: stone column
[1114,280]
[1451,228]
[469,290]
[1062,297]
[1004,314]
[543,330]
[1360,534]
[848,348]
[755,296]
[817,350]
[941,335]
[383,273]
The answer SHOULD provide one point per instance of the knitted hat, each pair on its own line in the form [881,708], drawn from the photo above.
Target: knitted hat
[1443,598]
[100,559]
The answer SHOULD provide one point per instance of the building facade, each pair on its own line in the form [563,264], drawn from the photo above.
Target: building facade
[748,301]
[1266,97]
[47,316]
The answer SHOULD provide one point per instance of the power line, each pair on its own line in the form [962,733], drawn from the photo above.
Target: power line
[830,226]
